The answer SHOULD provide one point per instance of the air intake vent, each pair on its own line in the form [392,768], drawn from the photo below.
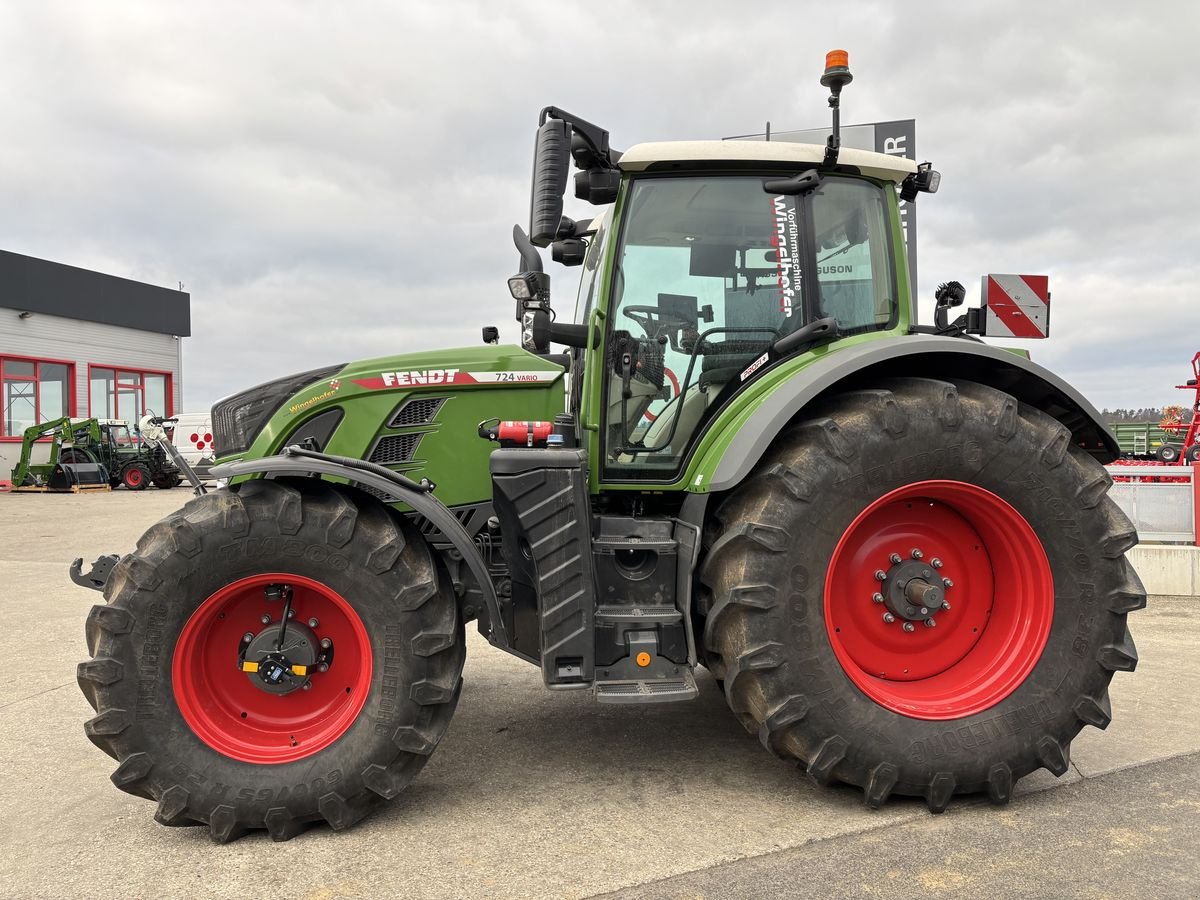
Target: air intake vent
[417,412]
[395,448]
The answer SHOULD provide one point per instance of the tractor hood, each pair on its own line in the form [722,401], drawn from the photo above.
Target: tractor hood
[369,409]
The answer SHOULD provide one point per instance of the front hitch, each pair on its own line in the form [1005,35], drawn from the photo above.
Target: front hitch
[97,578]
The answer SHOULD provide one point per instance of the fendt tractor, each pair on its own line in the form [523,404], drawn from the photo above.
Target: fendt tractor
[889,544]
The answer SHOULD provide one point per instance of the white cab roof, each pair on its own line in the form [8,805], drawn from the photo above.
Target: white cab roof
[639,157]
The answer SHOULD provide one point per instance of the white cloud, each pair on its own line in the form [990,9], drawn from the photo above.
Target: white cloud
[335,181]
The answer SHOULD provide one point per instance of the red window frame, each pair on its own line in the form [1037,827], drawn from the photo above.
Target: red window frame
[37,392]
[118,371]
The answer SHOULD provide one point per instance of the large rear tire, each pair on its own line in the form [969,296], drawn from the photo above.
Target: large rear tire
[810,578]
[209,742]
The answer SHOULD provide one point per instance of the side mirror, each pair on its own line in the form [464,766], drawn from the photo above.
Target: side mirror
[551,162]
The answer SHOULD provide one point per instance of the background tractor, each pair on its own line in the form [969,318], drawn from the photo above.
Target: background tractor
[889,543]
[96,451]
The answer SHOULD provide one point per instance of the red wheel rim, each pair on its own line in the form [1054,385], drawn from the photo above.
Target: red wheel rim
[222,704]
[1001,600]
[133,477]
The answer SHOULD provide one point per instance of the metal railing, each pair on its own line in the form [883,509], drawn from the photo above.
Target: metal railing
[1159,500]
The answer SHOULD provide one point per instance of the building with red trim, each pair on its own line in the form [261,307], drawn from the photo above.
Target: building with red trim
[79,343]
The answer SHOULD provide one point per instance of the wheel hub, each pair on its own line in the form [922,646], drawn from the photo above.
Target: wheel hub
[913,589]
[280,669]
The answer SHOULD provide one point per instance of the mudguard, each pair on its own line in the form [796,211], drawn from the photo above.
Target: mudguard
[421,501]
[911,355]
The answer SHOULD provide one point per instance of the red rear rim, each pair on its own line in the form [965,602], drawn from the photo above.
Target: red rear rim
[133,477]
[230,712]
[986,564]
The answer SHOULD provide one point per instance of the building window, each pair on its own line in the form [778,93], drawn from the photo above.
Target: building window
[34,391]
[128,394]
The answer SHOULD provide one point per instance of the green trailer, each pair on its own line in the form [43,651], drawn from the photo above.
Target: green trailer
[1145,440]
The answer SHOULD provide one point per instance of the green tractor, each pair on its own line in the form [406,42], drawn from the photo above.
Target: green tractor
[104,449]
[889,544]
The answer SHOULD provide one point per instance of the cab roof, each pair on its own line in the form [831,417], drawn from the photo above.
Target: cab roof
[662,154]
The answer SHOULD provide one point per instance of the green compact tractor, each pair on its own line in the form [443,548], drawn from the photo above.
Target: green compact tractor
[98,450]
[889,544]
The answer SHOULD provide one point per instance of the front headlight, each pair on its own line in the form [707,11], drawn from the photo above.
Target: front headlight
[237,420]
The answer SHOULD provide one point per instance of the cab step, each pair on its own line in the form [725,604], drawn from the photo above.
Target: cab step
[648,615]
[656,690]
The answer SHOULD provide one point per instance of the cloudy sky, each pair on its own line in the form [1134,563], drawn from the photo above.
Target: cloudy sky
[333,181]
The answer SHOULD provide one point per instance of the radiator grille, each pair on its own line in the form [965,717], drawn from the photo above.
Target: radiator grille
[417,412]
[395,448]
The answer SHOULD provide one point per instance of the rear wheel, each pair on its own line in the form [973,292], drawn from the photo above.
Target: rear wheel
[1167,453]
[921,591]
[135,476]
[1192,453]
[167,482]
[222,724]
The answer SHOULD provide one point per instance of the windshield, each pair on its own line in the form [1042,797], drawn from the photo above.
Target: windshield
[711,272]
[119,435]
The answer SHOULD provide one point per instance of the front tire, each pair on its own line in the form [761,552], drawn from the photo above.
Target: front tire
[794,608]
[203,738]
[135,476]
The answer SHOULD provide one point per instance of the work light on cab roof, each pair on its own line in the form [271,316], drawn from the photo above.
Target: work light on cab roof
[889,542]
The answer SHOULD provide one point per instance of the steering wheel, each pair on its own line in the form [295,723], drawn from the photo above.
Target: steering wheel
[652,320]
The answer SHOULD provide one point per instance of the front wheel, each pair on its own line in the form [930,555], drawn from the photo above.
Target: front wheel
[135,476]
[226,718]
[921,591]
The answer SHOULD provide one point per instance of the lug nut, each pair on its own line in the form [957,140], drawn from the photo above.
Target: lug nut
[924,611]
[880,575]
[266,620]
[877,598]
[895,558]
[936,563]
[946,605]
[908,626]
[291,614]
[917,554]
[326,643]
[323,667]
[947,583]
[889,618]
[930,623]
[313,623]
[248,636]
[307,686]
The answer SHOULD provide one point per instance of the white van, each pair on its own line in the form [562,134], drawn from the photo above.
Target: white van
[193,439]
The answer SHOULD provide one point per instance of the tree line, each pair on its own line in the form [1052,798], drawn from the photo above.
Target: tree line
[1143,414]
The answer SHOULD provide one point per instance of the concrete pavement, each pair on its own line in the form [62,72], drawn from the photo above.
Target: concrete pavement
[532,794]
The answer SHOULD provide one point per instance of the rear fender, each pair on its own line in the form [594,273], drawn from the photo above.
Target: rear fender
[868,363]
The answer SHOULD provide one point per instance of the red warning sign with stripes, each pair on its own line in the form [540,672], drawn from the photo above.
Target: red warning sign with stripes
[1018,306]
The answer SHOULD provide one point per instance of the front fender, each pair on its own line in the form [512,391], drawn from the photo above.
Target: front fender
[928,356]
[421,502]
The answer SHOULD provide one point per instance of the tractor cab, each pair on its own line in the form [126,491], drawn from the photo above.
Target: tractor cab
[717,261]
[715,277]
[115,433]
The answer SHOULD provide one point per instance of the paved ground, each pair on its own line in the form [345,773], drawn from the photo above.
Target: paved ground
[534,794]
